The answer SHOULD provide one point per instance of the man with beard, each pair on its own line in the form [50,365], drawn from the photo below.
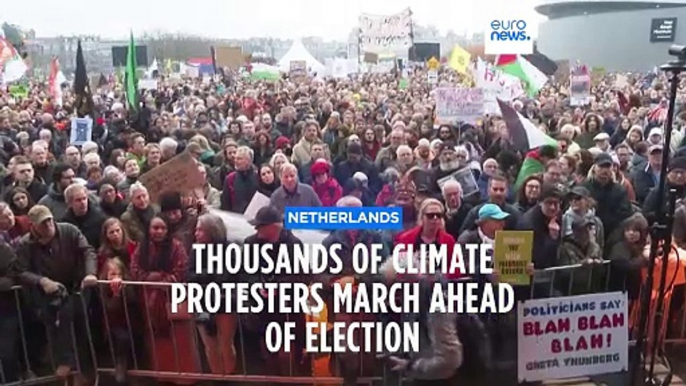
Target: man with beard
[240,185]
[268,128]
[456,209]
[623,153]
[63,176]
[247,134]
[447,164]
[356,162]
[612,200]
[497,194]
[302,151]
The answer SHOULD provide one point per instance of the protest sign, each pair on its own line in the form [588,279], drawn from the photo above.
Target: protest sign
[231,57]
[371,57]
[179,174]
[496,85]
[572,336]
[466,179]
[385,33]
[19,91]
[454,105]
[597,75]
[81,131]
[298,69]
[147,84]
[512,254]
[257,202]
[580,86]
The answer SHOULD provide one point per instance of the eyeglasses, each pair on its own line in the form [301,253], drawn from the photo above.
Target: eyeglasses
[433,216]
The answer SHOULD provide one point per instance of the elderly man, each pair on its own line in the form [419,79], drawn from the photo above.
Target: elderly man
[612,200]
[57,260]
[39,159]
[388,155]
[84,213]
[169,148]
[293,193]
[456,209]
[240,185]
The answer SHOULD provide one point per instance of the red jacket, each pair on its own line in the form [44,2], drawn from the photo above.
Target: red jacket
[329,192]
[410,236]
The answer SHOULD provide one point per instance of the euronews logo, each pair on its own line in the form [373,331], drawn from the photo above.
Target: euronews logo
[509,30]
[508,36]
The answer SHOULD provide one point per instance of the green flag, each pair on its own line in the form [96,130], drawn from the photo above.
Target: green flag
[131,77]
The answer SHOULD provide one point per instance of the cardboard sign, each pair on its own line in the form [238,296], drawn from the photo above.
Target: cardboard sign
[179,174]
[81,131]
[572,336]
[231,57]
[147,84]
[257,202]
[298,69]
[512,254]
[454,105]
[371,57]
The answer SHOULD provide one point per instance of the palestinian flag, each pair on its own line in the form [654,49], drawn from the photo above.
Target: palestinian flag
[524,135]
[518,66]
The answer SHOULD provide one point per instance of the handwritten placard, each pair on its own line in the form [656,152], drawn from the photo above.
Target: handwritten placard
[512,254]
[179,174]
[572,336]
[454,105]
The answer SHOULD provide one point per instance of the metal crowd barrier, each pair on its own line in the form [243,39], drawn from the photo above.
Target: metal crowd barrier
[136,333]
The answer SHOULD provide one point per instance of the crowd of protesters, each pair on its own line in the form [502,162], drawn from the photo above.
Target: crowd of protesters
[73,215]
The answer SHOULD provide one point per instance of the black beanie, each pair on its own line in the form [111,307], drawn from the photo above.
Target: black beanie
[170,201]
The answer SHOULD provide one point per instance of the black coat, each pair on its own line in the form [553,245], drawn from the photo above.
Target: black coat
[545,247]
[345,170]
[90,224]
[612,203]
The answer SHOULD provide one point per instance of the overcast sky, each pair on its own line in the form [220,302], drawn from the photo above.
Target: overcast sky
[330,19]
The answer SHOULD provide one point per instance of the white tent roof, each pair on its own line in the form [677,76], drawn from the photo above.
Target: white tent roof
[299,52]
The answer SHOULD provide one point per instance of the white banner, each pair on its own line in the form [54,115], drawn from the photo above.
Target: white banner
[385,33]
[496,84]
[572,336]
[454,105]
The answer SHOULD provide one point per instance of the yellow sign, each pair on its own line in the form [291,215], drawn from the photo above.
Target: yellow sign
[433,64]
[512,254]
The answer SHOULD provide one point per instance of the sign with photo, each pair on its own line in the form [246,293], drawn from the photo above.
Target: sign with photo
[81,131]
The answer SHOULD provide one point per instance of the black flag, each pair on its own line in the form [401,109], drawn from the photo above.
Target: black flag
[84,99]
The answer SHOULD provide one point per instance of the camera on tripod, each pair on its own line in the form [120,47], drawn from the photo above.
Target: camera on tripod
[679,51]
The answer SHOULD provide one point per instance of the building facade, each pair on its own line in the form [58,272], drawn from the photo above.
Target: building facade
[626,35]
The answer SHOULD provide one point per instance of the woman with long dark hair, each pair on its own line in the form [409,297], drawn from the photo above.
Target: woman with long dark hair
[527,196]
[161,258]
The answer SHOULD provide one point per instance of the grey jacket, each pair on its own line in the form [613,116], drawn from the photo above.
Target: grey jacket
[304,196]
[442,355]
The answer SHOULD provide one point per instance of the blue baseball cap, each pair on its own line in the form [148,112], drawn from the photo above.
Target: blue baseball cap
[492,212]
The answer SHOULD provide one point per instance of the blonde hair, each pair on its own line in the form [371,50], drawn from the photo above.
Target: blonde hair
[426,204]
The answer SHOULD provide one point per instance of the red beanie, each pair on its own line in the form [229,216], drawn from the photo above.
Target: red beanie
[281,142]
[318,168]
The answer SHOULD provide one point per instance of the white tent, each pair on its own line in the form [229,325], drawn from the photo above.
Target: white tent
[299,52]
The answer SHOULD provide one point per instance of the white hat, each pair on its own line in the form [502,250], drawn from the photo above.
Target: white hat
[655,131]
[601,137]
